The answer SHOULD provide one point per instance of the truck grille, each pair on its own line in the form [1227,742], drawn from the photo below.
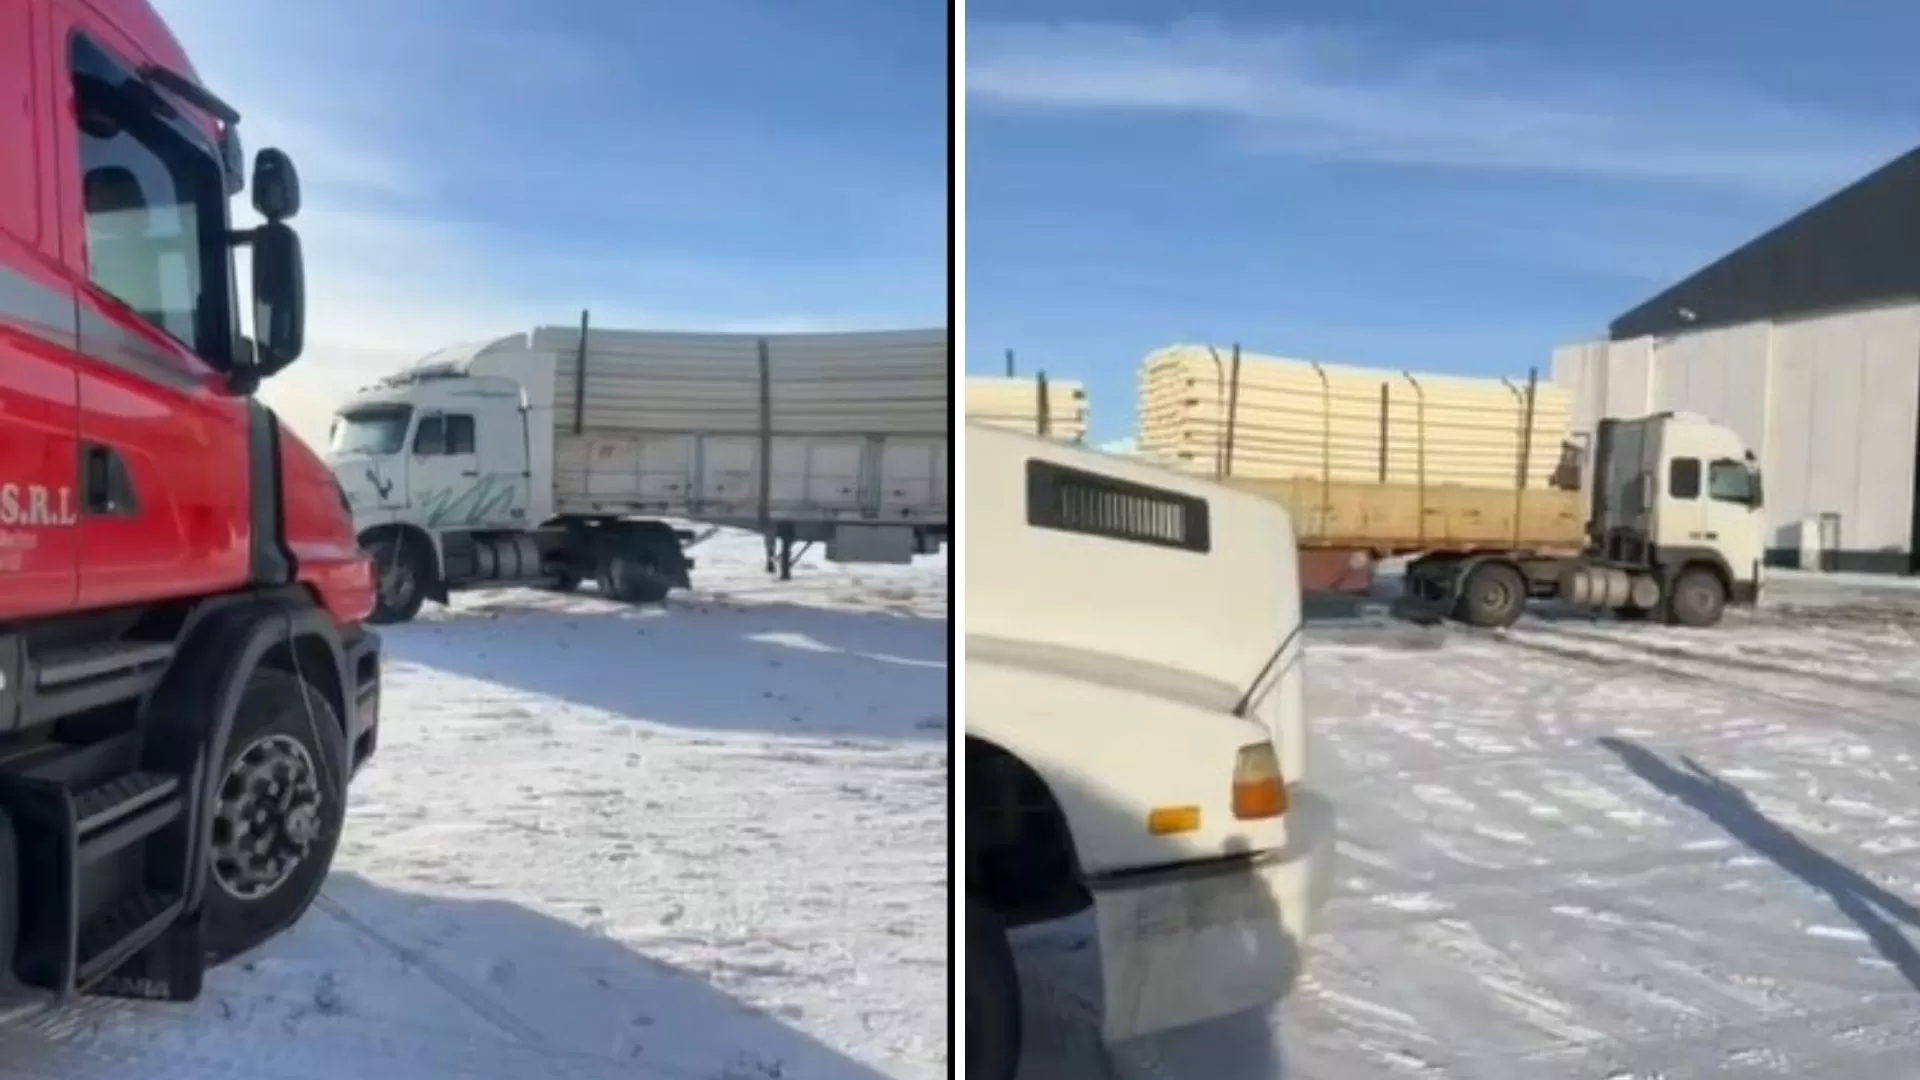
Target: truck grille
[1071,500]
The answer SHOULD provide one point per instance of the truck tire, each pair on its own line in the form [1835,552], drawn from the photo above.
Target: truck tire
[641,563]
[1698,599]
[633,577]
[1493,595]
[993,998]
[400,580]
[277,787]
[564,582]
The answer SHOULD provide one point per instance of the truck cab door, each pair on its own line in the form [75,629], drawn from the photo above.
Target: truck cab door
[1735,514]
[39,444]
[1681,519]
[39,379]
[444,471]
[502,451]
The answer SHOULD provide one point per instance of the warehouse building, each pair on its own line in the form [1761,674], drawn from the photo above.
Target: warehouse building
[1806,341]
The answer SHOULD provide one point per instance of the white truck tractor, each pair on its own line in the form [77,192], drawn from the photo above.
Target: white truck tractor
[570,454]
[1676,530]
[1136,739]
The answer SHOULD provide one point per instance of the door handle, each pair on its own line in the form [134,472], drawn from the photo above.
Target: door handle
[469,472]
[106,489]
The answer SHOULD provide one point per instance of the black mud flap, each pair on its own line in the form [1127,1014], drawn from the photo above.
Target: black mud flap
[1420,611]
[1427,597]
[173,968]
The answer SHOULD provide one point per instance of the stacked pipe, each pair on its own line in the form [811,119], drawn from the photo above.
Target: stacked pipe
[1285,419]
[1037,405]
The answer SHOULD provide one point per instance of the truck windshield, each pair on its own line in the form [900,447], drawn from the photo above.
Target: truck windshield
[1734,482]
[380,430]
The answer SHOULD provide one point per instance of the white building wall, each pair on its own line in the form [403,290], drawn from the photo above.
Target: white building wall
[1829,404]
[1628,385]
[1841,424]
[1582,371]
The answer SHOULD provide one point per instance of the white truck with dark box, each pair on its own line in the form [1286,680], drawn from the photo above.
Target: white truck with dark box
[571,453]
[1675,531]
[1136,739]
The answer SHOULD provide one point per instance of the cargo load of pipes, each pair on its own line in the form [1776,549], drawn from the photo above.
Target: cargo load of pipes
[1037,405]
[1284,419]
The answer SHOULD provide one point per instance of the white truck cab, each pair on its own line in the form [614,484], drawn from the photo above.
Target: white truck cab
[439,450]
[1686,486]
[1676,529]
[1135,737]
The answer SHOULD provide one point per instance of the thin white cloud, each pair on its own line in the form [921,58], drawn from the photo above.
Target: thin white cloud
[1364,97]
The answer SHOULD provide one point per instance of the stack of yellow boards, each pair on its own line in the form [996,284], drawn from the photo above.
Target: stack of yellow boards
[1368,459]
[1014,404]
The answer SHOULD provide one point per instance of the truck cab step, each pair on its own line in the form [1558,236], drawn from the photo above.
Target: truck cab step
[106,850]
[112,815]
[113,936]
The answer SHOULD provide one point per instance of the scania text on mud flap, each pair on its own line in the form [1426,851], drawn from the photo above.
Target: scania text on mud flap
[185,683]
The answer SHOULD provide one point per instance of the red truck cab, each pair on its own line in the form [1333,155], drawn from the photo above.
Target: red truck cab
[185,683]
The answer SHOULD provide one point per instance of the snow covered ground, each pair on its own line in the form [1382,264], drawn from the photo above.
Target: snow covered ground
[1597,850]
[705,842]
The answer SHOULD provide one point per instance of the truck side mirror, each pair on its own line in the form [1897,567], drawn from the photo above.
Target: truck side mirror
[279,296]
[276,185]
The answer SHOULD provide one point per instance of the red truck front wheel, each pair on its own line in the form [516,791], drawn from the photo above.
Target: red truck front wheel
[277,815]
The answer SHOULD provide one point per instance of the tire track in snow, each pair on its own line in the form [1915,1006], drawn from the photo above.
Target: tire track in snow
[1706,668]
[456,987]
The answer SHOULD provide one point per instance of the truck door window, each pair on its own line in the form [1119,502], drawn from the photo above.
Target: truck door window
[1683,478]
[431,439]
[155,207]
[459,434]
[1732,482]
[444,436]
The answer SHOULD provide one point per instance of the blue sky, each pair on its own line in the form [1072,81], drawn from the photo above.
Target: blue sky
[476,167]
[1441,186]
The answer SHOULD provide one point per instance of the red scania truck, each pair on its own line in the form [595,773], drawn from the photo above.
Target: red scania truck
[185,686]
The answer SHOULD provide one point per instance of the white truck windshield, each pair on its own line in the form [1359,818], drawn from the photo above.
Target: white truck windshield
[372,431]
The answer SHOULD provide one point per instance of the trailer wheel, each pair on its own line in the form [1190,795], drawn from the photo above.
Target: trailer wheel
[1698,600]
[993,998]
[633,577]
[400,577]
[1494,596]
[277,813]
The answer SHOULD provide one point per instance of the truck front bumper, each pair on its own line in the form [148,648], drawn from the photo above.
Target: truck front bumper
[1198,942]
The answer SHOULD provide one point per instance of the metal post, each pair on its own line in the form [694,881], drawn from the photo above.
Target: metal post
[1009,363]
[1383,432]
[766,448]
[1526,451]
[1219,407]
[1233,413]
[1326,447]
[580,378]
[1419,449]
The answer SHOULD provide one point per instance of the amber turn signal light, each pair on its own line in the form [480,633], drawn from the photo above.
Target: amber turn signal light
[1259,791]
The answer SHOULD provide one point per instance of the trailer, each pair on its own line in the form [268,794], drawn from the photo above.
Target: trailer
[1373,463]
[575,453]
